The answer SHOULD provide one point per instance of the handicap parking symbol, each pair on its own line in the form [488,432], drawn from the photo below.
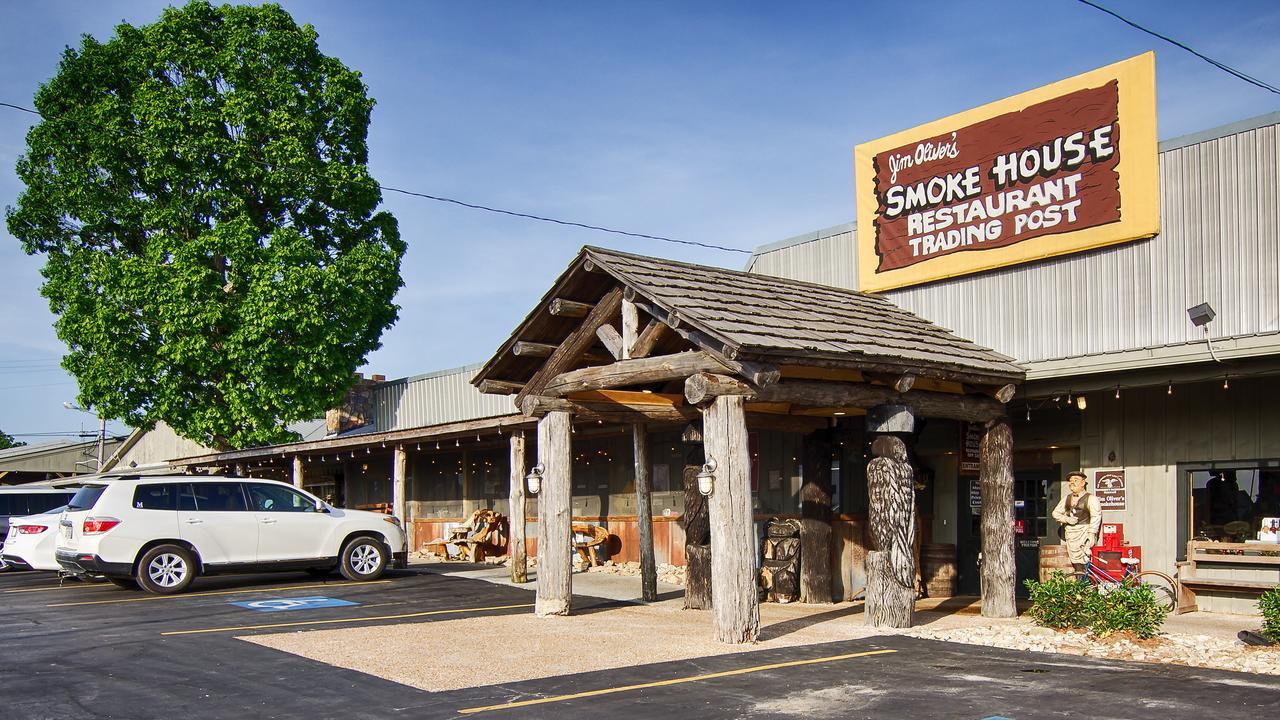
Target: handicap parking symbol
[297,603]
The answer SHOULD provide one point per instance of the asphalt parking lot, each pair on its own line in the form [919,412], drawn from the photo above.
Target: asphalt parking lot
[94,651]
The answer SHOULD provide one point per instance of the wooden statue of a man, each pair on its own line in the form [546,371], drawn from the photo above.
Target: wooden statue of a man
[1081,513]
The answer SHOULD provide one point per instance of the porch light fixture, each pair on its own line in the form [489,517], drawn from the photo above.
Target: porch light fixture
[1081,402]
[707,477]
[534,479]
[1201,314]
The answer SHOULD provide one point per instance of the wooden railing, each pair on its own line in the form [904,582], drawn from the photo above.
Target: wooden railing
[1199,552]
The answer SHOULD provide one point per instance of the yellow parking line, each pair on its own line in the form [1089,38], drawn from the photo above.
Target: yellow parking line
[345,620]
[148,598]
[77,586]
[674,681]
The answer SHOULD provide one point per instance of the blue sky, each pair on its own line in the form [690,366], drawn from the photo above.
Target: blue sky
[730,123]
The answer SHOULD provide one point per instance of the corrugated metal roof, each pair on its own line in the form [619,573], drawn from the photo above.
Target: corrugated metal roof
[432,399]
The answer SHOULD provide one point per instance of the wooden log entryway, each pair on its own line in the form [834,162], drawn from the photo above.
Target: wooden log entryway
[647,345]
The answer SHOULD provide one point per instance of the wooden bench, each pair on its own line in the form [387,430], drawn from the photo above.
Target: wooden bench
[1200,552]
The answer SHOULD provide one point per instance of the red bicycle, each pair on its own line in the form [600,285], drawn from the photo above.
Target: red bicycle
[1164,587]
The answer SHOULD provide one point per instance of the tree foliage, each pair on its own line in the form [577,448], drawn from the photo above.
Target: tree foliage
[214,253]
[8,441]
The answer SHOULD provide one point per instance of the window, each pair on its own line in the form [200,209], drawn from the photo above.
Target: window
[1229,504]
[274,498]
[220,497]
[42,502]
[85,497]
[156,497]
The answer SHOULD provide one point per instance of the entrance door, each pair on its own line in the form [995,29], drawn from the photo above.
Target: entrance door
[1029,515]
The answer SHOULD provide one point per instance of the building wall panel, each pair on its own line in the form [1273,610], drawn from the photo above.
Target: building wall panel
[435,398]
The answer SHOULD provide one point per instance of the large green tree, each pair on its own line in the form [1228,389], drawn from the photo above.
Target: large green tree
[214,253]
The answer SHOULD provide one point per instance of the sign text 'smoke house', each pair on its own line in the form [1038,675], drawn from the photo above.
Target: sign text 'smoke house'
[1059,169]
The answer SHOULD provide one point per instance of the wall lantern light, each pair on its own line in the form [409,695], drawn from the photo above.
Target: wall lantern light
[534,479]
[707,477]
[1081,402]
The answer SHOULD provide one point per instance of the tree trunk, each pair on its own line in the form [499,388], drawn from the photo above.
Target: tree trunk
[555,521]
[999,575]
[697,538]
[735,599]
[889,603]
[644,515]
[815,519]
[515,511]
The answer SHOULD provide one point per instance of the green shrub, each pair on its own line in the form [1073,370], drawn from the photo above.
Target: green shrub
[1269,604]
[1129,606]
[1062,602]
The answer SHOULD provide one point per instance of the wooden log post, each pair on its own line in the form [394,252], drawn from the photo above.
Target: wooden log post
[995,478]
[815,519]
[735,599]
[697,537]
[299,474]
[516,511]
[399,481]
[644,515]
[555,521]
[891,587]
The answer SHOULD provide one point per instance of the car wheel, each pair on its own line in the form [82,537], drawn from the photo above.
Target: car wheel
[363,558]
[126,583]
[166,569]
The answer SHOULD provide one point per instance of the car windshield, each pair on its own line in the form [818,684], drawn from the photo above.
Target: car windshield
[85,497]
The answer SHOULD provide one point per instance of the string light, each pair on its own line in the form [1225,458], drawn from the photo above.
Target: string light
[1169,391]
[1226,383]
[1117,392]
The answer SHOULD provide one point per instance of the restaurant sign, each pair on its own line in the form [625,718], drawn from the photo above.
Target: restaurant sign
[1063,168]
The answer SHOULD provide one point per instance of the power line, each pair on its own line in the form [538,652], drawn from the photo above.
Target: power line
[486,208]
[1221,66]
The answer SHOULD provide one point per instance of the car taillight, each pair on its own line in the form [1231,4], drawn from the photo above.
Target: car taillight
[30,529]
[97,526]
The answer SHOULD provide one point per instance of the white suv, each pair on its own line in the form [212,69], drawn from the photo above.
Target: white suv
[160,532]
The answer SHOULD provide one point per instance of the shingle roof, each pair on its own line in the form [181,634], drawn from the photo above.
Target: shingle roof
[753,316]
[761,314]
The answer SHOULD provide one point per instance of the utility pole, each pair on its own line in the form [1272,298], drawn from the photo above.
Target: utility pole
[102,440]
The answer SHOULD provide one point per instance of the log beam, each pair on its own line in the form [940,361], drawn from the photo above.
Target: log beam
[644,514]
[610,412]
[575,345]
[524,348]
[555,522]
[299,474]
[630,325]
[995,478]
[561,307]
[972,408]
[638,371]
[734,597]
[516,511]
[500,387]
[648,339]
[611,340]
[705,387]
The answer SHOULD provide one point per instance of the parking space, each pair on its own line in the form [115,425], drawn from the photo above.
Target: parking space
[93,650]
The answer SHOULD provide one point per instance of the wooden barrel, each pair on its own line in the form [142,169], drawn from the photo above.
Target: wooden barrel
[1053,558]
[938,569]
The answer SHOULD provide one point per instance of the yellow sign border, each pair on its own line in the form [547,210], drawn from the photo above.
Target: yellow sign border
[1138,169]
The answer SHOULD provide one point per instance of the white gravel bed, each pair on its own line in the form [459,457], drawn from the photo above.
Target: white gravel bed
[1173,648]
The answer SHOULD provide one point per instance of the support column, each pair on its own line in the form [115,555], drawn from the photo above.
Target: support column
[398,494]
[298,473]
[555,520]
[644,514]
[995,477]
[815,519]
[515,511]
[734,597]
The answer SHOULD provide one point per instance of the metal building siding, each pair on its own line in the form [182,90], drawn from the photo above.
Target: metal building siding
[435,398]
[1219,240]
